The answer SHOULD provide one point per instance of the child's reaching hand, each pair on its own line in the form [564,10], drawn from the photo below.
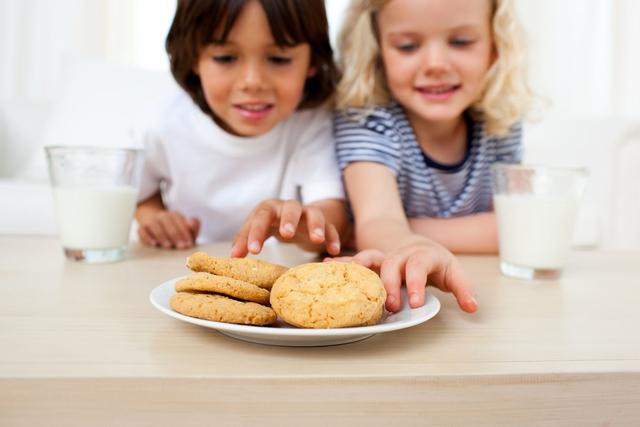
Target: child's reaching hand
[418,264]
[310,226]
[168,229]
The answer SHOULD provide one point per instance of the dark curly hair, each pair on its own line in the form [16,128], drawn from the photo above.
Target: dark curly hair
[291,22]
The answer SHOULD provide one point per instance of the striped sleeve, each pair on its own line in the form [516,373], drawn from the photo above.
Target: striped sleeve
[372,138]
[509,148]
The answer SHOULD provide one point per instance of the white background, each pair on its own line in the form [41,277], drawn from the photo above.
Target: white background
[584,59]
[583,53]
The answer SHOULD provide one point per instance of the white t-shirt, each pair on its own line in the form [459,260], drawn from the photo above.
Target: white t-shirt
[207,173]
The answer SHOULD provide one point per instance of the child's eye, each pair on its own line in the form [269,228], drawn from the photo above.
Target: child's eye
[407,47]
[224,59]
[460,42]
[279,60]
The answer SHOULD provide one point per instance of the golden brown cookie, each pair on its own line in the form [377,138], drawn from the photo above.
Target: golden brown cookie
[221,309]
[329,295]
[260,273]
[207,282]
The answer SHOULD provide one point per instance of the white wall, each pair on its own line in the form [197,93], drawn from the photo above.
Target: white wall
[583,59]
[583,53]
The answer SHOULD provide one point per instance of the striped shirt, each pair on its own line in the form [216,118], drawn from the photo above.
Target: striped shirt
[427,188]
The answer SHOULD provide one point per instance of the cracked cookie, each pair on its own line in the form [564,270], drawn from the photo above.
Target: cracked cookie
[329,295]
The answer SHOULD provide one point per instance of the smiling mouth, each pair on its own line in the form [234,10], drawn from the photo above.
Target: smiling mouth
[439,89]
[254,112]
[254,108]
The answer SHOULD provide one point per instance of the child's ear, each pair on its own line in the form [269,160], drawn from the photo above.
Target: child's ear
[494,55]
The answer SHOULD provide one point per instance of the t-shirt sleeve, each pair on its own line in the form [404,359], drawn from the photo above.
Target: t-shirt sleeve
[371,138]
[509,148]
[315,173]
[153,165]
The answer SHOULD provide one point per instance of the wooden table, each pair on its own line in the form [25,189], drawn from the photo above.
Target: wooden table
[82,345]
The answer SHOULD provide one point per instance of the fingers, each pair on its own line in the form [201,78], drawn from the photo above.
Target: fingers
[442,270]
[146,237]
[320,231]
[194,226]
[370,258]
[390,273]
[417,269]
[175,227]
[157,233]
[338,259]
[260,226]
[167,229]
[415,265]
[289,221]
[240,249]
[289,218]
[332,240]
[457,281]
[315,224]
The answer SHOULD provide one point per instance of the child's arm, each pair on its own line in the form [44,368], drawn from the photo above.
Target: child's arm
[161,227]
[381,225]
[475,233]
[315,227]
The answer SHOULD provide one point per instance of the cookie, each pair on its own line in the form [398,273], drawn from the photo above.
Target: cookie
[260,273]
[329,295]
[221,309]
[207,282]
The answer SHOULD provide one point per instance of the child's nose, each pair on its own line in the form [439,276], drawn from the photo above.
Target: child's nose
[435,59]
[253,77]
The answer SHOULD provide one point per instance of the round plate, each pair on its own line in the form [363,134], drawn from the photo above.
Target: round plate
[286,335]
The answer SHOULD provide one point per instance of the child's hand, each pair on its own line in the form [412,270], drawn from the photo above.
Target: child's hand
[288,221]
[169,230]
[418,264]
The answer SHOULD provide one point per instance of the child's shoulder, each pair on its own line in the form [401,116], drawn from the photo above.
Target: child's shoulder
[512,135]
[376,112]
[380,118]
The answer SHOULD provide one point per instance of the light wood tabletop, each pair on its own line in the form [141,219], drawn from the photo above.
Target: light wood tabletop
[82,345]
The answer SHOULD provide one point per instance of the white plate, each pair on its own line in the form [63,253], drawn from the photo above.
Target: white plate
[286,335]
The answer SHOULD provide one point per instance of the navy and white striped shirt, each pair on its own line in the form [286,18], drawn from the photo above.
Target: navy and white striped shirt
[427,188]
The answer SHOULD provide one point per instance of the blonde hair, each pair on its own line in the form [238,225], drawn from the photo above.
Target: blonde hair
[506,97]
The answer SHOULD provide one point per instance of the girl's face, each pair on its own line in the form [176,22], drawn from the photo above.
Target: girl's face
[250,83]
[436,54]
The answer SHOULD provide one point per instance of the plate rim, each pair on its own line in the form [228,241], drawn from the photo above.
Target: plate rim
[432,303]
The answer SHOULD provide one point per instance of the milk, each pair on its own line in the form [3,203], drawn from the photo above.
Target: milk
[94,218]
[535,230]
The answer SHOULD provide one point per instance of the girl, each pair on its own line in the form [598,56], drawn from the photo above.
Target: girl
[249,124]
[432,95]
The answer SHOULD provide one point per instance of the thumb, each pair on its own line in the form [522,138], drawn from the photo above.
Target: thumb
[194,226]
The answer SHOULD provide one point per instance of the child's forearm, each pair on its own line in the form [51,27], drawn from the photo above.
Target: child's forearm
[149,207]
[467,234]
[385,234]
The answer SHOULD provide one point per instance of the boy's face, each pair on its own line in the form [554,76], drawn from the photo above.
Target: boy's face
[250,83]
[436,55]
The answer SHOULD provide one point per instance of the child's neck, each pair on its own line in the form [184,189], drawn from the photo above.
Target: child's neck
[443,142]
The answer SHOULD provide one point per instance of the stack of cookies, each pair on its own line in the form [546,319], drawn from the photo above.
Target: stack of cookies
[230,290]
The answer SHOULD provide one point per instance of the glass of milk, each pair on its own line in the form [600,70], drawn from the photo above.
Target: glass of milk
[95,191]
[536,210]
